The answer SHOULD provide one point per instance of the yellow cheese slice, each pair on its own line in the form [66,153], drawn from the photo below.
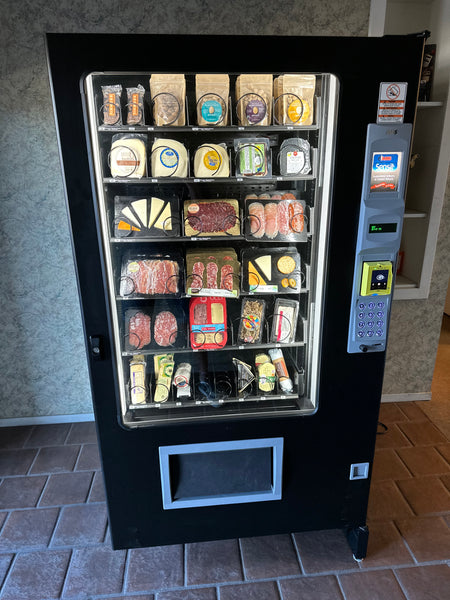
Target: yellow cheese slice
[130,216]
[164,221]
[254,278]
[140,208]
[155,208]
[265,264]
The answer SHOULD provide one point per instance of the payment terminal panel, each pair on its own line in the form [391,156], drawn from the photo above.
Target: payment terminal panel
[379,234]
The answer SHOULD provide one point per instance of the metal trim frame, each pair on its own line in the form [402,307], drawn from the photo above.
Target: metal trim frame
[165,452]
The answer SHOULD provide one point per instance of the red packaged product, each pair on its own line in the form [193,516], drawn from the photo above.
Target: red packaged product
[207,322]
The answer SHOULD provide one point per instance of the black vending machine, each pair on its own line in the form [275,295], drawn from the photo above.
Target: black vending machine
[235,229]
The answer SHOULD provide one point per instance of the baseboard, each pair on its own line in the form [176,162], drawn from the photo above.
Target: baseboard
[414,397]
[49,420]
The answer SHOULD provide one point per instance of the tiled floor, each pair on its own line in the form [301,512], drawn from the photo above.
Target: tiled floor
[54,538]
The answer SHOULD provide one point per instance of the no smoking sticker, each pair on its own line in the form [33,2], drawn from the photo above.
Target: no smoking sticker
[391,102]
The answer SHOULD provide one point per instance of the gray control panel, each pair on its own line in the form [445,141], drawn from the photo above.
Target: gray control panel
[379,233]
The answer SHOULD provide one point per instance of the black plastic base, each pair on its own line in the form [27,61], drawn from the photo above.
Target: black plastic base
[358,538]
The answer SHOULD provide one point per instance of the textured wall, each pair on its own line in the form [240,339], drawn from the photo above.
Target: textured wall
[416,324]
[44,368]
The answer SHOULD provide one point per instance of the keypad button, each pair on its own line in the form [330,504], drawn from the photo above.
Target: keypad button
[380,314]
[371,305]
[361,316]
[360,334]
[380,304]
[362,306]
[379,332]
[370,324]
[361,324]
[380,323]
[369,333]
[370,315]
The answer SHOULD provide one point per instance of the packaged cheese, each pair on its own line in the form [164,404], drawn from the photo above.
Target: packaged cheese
[211,95]
[169,158]
[138,388]
[211,160]
[294,99]
[168,94]
[128,156]
[254,99]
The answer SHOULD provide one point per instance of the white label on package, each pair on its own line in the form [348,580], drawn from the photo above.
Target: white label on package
[391,102]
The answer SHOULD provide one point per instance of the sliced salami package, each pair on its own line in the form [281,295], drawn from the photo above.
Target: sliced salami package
[212,272]
[211,218]
[276,217]
[145,275]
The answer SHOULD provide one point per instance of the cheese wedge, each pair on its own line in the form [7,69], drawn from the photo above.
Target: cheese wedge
[155,208]
[265,264]
[140,208]
[130,216]
[164,221]
[254,278]
[124,226]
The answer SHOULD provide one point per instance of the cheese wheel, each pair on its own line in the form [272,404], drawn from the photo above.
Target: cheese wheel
[128,158]
[169,159]
[211,160]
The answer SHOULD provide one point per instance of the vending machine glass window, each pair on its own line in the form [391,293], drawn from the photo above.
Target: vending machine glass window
[213,202]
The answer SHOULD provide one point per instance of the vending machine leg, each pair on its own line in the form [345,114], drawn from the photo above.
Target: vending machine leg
[358,538]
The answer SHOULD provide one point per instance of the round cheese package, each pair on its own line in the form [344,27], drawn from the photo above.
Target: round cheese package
[211,160]
[169,158]
[128,157]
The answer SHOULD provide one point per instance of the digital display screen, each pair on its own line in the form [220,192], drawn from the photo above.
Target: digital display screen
[382,227]
[385,174]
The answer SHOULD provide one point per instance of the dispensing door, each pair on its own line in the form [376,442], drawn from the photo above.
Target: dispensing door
[379,234]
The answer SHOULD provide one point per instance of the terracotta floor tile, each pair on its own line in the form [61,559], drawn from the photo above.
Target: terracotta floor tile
[387,465]
[21,492]
[371,585]
[82,433]
[269,556]
[205,562]
[67,488]
[413,411]
[14,437]
[420,583]
[48,435]
[261,590]
[28,529]
[5,562]
[444,450]
[386,503]
[55,459]
[95,570]
[423,460]
[89,459]
[82,524]
[36,575]
[185,594]
[422,433]
[390,412]
[428,538]
[324,587]
[426,495]
[155,568]
[393,438]
[322,551]
[16,462]
[446,481]
[386,547]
